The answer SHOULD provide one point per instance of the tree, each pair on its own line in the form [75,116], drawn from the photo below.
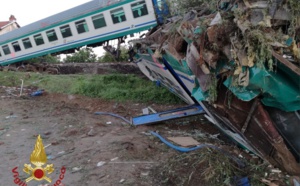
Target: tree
[108,57]
[47,58]
[83,55]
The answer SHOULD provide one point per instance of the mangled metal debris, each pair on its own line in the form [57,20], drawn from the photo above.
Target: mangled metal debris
[167,115]
[240,62]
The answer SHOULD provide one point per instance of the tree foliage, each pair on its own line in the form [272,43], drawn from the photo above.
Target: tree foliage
[182,6]
[83,55]
[47,58]
[107,57]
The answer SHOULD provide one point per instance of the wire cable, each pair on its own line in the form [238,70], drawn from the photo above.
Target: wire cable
[114,115]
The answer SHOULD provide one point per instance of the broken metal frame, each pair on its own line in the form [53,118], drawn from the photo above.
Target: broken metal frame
[167,115]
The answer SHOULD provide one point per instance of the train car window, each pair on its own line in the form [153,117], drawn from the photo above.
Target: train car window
[81,26]
[0,54]
[38,39]
[118,15]
[51,35]
[26,43]
[5,49]
[65,31]
[16,46]
[99,21]
[139,9]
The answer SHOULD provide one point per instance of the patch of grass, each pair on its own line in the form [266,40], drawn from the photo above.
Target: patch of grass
[117,87]
[124,87]
[8,79]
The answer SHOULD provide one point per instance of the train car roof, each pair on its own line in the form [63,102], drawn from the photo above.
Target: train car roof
[57,18]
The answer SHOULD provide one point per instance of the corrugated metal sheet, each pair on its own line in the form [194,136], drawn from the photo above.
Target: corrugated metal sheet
[60,17]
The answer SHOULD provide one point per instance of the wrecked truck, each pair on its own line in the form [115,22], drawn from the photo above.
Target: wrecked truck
[239,60]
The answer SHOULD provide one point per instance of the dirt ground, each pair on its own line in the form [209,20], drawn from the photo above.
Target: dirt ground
[95,149]
[79,140]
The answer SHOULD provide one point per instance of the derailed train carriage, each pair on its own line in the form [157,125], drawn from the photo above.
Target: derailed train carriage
[262,117]
[91,24]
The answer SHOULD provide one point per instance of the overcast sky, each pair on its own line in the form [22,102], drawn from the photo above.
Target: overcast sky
[29,11]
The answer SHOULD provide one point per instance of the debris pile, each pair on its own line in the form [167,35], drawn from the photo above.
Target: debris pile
[229,41]
[245,57]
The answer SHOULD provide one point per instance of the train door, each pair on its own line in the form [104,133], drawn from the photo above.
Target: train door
[161,9]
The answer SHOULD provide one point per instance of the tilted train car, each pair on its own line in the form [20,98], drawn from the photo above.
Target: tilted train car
[91,24]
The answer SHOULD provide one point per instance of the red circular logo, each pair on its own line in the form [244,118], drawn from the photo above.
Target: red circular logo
[38,173]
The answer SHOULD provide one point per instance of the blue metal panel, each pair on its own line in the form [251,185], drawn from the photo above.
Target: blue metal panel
[161,9]
[168,115]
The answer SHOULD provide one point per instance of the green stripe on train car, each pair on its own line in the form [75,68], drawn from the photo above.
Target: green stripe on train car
[81,44]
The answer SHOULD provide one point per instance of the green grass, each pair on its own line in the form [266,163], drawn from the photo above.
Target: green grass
[118,87]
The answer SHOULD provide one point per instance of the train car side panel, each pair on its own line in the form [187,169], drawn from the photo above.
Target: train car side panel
[122,20]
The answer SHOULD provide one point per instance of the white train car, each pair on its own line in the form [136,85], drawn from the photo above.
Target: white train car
[91,23]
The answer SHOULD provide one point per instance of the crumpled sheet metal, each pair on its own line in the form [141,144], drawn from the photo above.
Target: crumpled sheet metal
[260,132]
[216,45]
[276,88]
[291,134]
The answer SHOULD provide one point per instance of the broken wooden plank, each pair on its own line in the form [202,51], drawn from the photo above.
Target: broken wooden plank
[184,141]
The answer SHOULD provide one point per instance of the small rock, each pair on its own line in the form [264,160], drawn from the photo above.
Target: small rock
[144,173]
[146,133]
[50,157]
[101,163]
[276,171]
[114,159]
[98,142]
[55,143]
[122,180]
[11,116]
[113,132]
[70,97]
[76,169]
[61,152]
[1,143]
[47,133]
[91,132]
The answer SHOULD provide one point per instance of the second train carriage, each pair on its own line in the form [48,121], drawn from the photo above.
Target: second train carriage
[91,23]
